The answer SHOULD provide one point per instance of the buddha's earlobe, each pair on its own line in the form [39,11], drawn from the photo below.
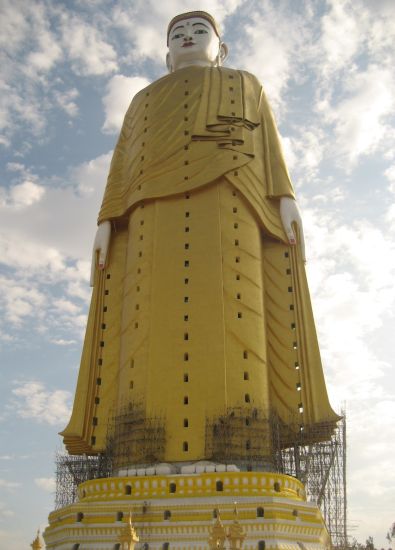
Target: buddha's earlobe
[223,52]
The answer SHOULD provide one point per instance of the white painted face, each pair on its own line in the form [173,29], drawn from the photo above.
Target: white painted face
[193,42]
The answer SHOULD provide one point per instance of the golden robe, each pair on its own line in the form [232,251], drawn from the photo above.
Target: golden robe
[203,312]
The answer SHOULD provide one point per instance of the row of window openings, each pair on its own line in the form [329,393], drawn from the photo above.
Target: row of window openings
[246,377]
[247,399]
[173,489]
[260,512]
[166,545]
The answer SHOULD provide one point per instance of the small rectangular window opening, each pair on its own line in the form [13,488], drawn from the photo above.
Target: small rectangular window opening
[186,400]
[186,336]
[246,375]
[186,423]
[186,377]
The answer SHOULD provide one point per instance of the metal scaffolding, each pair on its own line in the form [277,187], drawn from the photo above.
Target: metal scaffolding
[321,466]
[71,470]
[316,455]
[134,438]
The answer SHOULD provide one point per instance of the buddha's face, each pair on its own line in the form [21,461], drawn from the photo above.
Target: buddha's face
[194,42]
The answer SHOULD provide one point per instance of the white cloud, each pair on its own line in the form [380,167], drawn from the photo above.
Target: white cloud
[304,153]
[360,118]
[351,273]
[66,306]
[47,484]
[22,195]
[19,300]
[390,175]
[48,50]
[341,35]
[65,100]
[120,91]
[89,52]
[270,47]
[9,484]
[5,512]
[62,342]
[32,400]
[42,246]
[14,25]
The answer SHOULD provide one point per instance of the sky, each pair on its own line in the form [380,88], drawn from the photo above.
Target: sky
[68,71]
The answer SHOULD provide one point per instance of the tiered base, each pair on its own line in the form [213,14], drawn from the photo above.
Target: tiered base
[177,511]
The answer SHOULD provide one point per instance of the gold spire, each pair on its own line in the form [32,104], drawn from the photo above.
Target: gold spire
[128,536]
[235,535]
[37,544]
[217,535]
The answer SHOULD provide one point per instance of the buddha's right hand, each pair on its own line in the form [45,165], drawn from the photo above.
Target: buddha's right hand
[100,248]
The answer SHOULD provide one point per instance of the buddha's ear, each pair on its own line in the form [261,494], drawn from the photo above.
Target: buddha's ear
[223,52]
[168,63]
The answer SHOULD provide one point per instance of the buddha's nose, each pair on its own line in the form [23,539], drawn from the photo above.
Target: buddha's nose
[186,38]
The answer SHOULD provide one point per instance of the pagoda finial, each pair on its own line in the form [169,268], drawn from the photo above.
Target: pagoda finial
[37,544]
[236,534]
[128,536]
[217,534]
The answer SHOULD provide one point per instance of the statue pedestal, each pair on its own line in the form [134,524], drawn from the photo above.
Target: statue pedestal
[177,512]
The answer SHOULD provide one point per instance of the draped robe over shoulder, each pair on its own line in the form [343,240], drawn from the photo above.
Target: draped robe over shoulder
[203,307]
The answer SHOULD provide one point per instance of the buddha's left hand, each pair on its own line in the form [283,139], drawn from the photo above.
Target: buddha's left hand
[290,213]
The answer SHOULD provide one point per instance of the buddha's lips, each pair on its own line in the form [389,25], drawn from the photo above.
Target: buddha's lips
[186,44]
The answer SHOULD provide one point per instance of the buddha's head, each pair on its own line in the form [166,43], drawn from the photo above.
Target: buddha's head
[193,38]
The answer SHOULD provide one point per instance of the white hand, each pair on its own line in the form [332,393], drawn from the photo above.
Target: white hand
[102,240]
[290,213]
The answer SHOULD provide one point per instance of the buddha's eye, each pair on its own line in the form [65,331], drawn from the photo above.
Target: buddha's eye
[179,35]
[200,31]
